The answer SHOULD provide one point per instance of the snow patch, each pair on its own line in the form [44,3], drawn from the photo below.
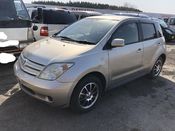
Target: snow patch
[9,43]
[5,57]
[3,36]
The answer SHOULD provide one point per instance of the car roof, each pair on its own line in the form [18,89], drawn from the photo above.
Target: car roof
[47,9]
[132,14]
[122,18]
[87,12]
[114,17]
[111,17]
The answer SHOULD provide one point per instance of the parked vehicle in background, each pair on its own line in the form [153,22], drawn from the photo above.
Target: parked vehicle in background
[16,24]
[171,23]
[75,66]
[166,19]
[47,22]
[83,14]
[168,33]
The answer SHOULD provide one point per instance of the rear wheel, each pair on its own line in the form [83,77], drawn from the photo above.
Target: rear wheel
[157,68]
[86,94]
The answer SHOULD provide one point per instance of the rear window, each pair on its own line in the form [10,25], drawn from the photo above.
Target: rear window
[58,17]
[149,31]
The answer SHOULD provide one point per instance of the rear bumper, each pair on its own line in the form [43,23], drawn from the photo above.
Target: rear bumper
[13,49]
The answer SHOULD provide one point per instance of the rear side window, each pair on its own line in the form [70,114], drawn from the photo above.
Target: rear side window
[128,32]
[58,17]
[149,31]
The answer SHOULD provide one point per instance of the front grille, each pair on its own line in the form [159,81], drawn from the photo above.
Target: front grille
[29,66]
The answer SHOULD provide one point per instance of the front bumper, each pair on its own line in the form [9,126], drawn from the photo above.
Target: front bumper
[52,92]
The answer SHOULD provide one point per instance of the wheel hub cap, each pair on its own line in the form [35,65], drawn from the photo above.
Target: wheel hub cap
[88,95]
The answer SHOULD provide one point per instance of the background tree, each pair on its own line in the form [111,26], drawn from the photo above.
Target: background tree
[125,7]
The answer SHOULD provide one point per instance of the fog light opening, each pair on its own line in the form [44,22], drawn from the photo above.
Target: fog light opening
[49,99]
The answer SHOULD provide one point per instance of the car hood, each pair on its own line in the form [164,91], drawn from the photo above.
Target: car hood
[51,50]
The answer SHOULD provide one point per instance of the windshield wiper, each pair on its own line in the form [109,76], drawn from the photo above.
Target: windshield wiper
[78,41]
[85,42]
[64,38]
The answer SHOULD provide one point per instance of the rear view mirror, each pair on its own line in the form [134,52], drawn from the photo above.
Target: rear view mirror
[118,43]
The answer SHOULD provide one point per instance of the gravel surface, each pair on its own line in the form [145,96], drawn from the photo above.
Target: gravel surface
[141,105]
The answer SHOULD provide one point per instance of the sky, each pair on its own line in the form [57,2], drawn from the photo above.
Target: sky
[155,6]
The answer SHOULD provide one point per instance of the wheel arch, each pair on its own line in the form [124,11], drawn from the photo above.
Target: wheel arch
[163,56]
[98,75]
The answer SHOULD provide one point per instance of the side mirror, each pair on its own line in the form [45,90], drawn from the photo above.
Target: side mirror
[118,43]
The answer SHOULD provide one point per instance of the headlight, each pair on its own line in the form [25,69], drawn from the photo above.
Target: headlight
[53,71]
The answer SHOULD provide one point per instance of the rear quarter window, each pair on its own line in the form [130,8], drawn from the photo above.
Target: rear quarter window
[159,30]
[58,17]
[149,31]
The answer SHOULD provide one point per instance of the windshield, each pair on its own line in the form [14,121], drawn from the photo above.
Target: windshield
[13,9]
[87,31]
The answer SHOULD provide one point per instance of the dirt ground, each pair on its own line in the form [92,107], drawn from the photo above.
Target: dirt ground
[141,105]
[169,67]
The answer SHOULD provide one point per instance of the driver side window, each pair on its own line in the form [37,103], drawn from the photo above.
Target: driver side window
[128,32]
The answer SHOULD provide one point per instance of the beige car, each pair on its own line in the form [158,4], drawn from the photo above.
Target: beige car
[75,66]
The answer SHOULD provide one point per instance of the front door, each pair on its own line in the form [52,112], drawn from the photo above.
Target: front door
[126,60]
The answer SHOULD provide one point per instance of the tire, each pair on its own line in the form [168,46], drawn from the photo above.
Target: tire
[157,68]
[86,94]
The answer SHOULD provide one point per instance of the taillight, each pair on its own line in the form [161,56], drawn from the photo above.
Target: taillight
[44,31]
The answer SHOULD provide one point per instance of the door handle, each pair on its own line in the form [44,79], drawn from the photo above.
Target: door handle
[139,50]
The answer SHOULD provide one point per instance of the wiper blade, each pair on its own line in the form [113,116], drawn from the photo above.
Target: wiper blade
[78,41]
[86,42]
[63,37]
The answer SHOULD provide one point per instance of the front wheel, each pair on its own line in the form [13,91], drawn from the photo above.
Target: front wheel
[86,94]
[157,68]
